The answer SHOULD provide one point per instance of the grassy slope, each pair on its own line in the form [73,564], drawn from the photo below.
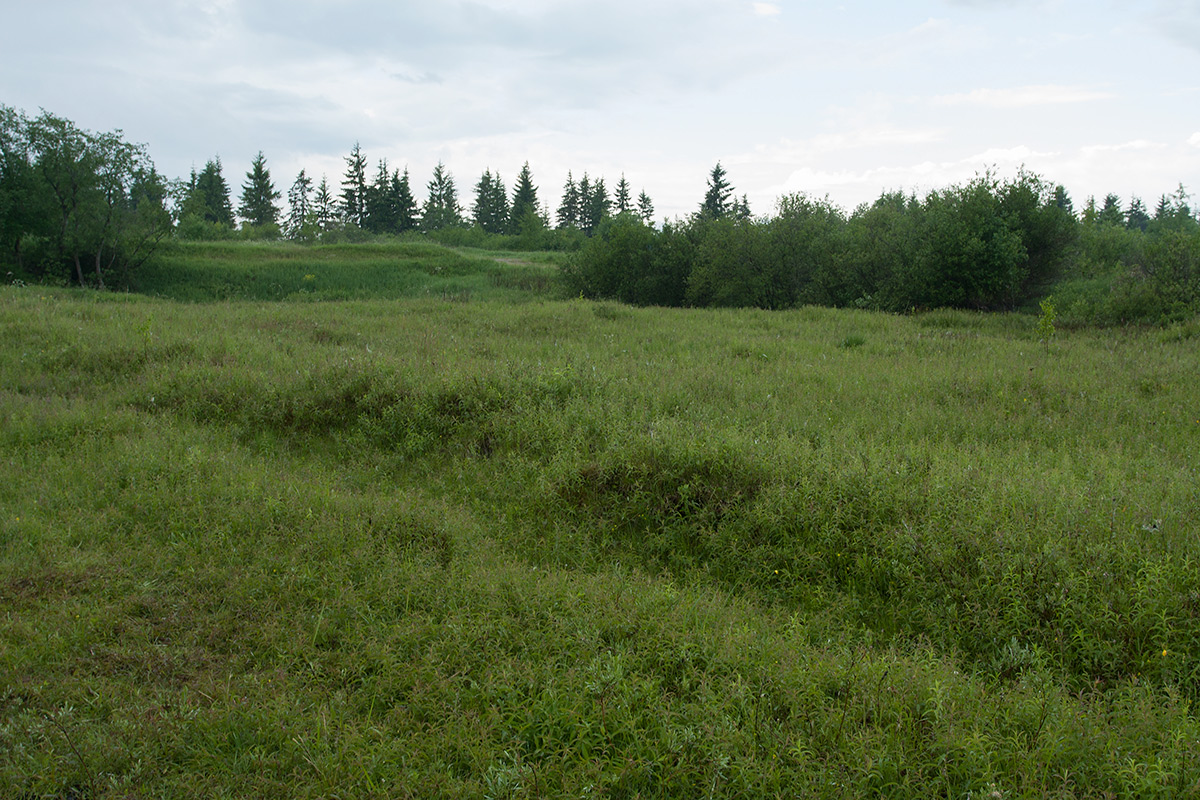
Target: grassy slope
[425,548]
[205,271]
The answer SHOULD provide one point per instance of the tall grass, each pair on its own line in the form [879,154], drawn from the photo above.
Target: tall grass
[432,548]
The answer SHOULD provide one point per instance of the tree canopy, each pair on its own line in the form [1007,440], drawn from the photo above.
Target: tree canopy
[71,197]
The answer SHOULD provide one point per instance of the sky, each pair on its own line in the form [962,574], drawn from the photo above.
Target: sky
[839,100]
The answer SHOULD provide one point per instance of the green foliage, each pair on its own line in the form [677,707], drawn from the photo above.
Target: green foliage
[628,260]
[73,201]
[390,207]
[1045,325]
[441,209]
[301,224]
[353,206]
[410,547]
[258,207]
[491,211]
[988,244]
[716,203]
[208,196]
[524,203]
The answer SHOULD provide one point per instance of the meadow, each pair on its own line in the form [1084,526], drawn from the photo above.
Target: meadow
[442,534]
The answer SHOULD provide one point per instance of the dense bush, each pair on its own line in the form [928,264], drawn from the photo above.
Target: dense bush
[987,244]
[75,202]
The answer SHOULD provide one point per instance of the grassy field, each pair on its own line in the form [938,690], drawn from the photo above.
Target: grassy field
[391,269]
[438,547]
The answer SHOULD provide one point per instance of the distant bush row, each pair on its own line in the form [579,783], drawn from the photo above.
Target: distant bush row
[988,244]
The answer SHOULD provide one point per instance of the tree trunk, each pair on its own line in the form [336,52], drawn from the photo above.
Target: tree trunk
[78,270]
[99,273]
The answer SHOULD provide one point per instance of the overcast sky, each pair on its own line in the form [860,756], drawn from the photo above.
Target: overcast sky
[840,99]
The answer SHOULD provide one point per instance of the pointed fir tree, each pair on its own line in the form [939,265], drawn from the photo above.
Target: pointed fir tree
[213,194]
[300,210]
[1162,211]
[499,204]
[716,199]
[406,204]
[1136,216]
[1090,212]
[354,187]
[524,200]
[1063,200]
[596,207]
[740,209]
[325,208]
[568,209]
[1110,213]
[490,211]
[380,207]
[258,206]
[646,208]
[441,209]
[191,201]
[623,202]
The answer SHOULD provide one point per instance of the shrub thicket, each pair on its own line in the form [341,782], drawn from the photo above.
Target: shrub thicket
[988,244]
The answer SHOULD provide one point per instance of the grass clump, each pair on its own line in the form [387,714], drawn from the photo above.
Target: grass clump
[417,548]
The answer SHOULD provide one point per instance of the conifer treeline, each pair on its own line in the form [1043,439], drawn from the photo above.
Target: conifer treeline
[386,203]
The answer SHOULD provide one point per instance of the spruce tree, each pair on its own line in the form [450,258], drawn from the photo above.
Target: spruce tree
[1162,211]
[354,187]
[524,199]
[380,209]
[499,204]
[1063,200]
[568,209]
[740,209]
[597,206]
[645,208]
[324,206]
[406,204]
[491,204]
[258,206]
[299,207]
[1136,217]
[623,200]
[441,209]
[716,199]
[212,193]
[1110,213]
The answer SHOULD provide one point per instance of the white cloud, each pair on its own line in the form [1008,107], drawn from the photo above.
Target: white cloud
[767,9]
[1194,139]
[798,151]
[1093,150]
[1049,94]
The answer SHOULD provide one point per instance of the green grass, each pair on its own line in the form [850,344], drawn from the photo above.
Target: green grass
[276,271]
[432,548]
